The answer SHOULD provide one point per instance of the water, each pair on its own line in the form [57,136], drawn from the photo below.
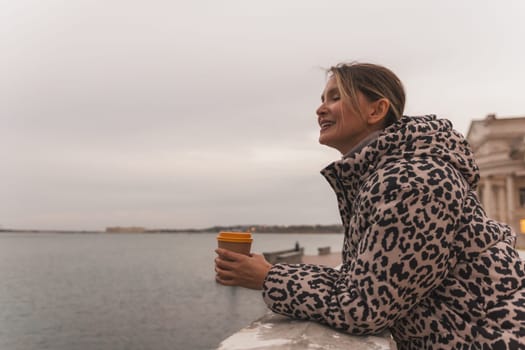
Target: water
[125,291]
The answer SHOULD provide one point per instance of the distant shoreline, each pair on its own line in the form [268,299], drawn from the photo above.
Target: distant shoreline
[256,229]
[48,231]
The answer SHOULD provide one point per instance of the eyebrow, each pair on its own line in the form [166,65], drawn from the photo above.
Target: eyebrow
[329,92]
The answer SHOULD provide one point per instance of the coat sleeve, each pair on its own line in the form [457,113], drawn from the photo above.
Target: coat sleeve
[403,253]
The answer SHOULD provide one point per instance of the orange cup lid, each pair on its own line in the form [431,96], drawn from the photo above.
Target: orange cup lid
[238,237]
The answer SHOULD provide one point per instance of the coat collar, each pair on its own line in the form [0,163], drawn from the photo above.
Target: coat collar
[409,137]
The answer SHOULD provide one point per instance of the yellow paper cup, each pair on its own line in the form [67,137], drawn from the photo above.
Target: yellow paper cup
[240,242]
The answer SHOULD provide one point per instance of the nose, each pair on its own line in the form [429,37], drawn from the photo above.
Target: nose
[321,110]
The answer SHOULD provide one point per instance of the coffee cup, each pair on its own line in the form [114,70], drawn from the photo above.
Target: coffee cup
[240,242]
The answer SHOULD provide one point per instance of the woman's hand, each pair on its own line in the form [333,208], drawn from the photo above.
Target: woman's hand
[234,269]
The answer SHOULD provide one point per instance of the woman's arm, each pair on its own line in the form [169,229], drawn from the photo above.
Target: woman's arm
[402,255]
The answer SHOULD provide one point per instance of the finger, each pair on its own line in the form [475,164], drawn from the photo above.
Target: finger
[222,277]
[224,274]
[230,255]
[223,264]
[226,254]
[221,272]
[225,280]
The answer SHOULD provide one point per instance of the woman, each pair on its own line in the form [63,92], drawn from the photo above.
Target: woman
[420,257]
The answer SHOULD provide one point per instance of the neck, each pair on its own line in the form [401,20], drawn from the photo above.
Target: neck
[363,143]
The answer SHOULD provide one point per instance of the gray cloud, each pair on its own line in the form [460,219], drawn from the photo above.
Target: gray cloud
[193,114]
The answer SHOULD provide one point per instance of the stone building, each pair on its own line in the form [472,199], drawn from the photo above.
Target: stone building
[499,148]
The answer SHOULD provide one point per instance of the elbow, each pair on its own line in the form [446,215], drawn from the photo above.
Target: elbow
[369,321]
[368,328]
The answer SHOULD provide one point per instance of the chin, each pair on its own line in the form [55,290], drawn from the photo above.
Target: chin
[325,143]
[325,140]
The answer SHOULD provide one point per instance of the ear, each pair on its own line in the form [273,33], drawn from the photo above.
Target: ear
[378,111]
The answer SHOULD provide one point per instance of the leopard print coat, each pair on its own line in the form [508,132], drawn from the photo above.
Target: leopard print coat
[420,256]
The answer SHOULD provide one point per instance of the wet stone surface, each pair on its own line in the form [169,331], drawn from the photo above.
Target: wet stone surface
[278,332]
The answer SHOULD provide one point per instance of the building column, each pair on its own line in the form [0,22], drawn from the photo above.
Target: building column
[502,204]
[488,201]
[511,201]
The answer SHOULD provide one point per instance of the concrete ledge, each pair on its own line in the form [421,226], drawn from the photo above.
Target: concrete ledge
[278,332]
[288,256]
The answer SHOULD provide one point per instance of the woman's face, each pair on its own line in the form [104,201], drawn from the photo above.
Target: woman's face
[342,127]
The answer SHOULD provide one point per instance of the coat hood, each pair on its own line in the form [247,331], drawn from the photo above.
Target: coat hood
[409,137]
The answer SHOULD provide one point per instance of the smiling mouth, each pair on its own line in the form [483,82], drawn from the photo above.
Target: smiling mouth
[325,124]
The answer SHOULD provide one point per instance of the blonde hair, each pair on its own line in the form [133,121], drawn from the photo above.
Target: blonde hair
[374,82]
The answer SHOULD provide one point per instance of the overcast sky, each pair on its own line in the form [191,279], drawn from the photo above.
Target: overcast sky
[177,114]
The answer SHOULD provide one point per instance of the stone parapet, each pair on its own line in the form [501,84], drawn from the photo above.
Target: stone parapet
[278,332]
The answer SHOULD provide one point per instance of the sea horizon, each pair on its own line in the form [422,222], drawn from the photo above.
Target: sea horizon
[256,228]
